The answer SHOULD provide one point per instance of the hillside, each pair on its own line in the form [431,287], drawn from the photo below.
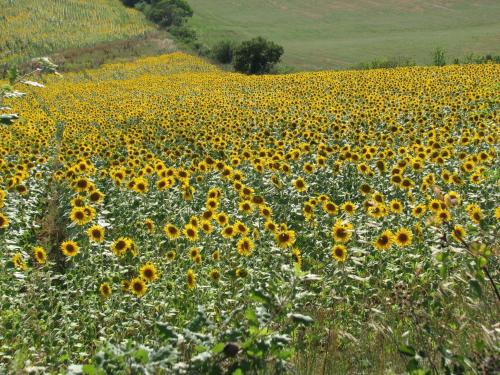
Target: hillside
[30,28]
[321,34]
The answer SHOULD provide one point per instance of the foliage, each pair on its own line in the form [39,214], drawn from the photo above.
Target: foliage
[394,62]
[257,56]
[327,222]
[167,13]
[223,51]
[439,57]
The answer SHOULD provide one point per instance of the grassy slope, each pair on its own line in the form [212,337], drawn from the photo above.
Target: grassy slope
[340,33]
[33,27]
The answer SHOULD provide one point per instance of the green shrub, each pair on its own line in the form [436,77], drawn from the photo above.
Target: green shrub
[257,56]
[167,13]
[223,51]
[439,57]
[183,32]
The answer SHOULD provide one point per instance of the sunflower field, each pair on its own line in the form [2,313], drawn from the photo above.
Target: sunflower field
[163,216]
[29,28]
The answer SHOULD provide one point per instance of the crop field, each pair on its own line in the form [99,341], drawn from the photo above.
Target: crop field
[30,28]
[326,34]
[165,216]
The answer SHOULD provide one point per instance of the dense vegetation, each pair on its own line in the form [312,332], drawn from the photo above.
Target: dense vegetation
[165,215]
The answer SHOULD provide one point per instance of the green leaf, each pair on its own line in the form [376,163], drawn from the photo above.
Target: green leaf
[238,371]
[285,354]
[218,348]
[251,316]
[407,350]
[258,296]
[89,370]
[141,356]
[299,318]
[475,288]
[167,331]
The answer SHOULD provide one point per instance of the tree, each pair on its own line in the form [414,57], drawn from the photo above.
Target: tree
[168,13]
[223,51]
[439,57]
[257,56]
[130,3]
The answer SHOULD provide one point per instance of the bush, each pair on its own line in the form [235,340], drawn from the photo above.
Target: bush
[183,32]
[168,13]
[257,56]
[439,58]
[223,51]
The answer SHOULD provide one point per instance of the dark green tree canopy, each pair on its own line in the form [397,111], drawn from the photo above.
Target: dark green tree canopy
[257,56]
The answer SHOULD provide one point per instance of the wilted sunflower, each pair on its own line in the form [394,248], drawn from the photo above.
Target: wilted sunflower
[285,238]
[191,279]
[148,272]
[339,253]
[138,286]
[105,290]
[215,274]
[297,257]
[18,262]
[342,231]
[150,225]
[4,221]
[216,255]
[171,231]
[458,233]
[40,255]
[403,237]
[384,241]
[241,273]
[245,246]
[96,233]
[69,248]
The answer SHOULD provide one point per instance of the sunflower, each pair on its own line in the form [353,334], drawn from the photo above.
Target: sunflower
[78,216]
[4,222]
[171,231]
[206,226]
[125,286]
[403,237]
[78,201]
[191,279]
[216,255]
[297,257]
[342,231]
[18,262]
[241,273]
[150,225]
[120,246]
[215,275]
[96,233]
[170,255]
[435,205]
[194,252]
[348,207]
[329,207]
[384,241]
[229,231]
[105,290]
[270,226]
[419,210]
[148,272]
[475,214]
[246,207]
[69,248]
[40,255]
[245,246]
[241,228]
[140,185]
[396,206]
[265,211]
[190,232]
[339,253]
[96,196]
[458,233]
[497,213]
[222,219]
[138,286]
[285,238]
[300,185]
